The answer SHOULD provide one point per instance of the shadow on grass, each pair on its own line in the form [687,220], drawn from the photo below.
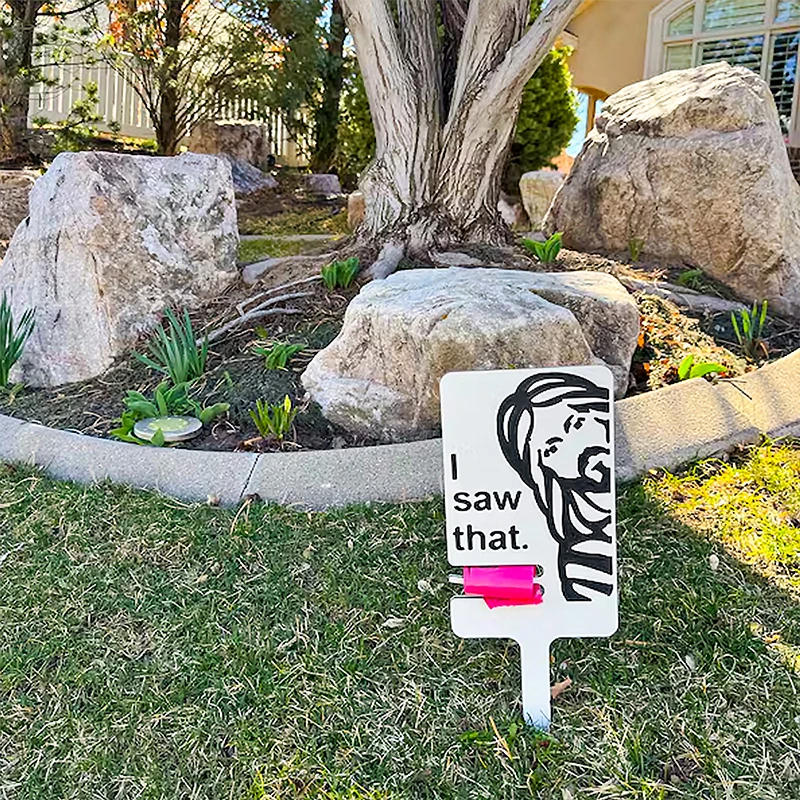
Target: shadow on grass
[153,650]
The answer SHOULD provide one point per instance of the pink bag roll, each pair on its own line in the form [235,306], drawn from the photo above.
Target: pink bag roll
[503,586]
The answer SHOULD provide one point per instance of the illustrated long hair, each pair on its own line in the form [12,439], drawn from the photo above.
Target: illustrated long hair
[570,522]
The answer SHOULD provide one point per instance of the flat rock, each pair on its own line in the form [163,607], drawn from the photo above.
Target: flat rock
[693,165]
[380,376]
[111,241]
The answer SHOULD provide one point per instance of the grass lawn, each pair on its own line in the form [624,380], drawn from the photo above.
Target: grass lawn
[251,250]
[154,650]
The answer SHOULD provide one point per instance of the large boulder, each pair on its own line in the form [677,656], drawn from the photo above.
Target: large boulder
[380,376]
[538,190]
[693,165]
[242,140]
[111,241]
[15,187]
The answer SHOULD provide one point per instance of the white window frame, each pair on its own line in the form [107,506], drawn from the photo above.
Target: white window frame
[657,41]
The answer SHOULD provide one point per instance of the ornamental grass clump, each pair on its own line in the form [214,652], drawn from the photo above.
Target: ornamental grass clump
[13,336]
[175,351]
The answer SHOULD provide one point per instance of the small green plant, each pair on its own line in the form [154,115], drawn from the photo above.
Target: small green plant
[691,279]
[274,420]
[278,354]
[688,369]
[340,274]
[13,336]
[175,351]
[546,252]
[748,326]
[635,248]
[166,401]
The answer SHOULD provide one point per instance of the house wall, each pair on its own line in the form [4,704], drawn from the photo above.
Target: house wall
[612,38]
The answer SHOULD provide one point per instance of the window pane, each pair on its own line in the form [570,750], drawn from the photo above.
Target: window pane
[683,24]
[678,56]
[783,74]
[745,52]
[787,9]
[733,13]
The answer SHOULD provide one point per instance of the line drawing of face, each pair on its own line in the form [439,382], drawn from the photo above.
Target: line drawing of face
[554,431]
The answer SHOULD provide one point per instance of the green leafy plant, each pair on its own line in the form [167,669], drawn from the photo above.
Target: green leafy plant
[175,350]
[748,326]
[166,401]
[689,369]
[635,248]
[547,252]
[274,420]
[13,336]
[691,279]
[340,273]
[278,354]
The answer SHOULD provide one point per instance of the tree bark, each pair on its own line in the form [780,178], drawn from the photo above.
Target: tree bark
[443,130]
[16,77]
[168,134]
[326,124]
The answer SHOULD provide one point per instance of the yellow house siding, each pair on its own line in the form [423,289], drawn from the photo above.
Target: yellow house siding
[612,38]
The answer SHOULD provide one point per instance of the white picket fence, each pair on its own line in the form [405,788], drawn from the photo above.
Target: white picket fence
[118,103]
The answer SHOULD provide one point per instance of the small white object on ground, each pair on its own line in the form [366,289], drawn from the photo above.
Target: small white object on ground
[174,429]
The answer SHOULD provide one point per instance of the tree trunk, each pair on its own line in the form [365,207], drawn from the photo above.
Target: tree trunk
[168,135]
[15,81]
[326,124]
[443,130]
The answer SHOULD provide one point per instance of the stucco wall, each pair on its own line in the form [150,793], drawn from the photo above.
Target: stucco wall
[612,37]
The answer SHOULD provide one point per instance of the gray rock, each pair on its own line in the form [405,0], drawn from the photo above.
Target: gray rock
[323,184]
[15,188]
[380,376]
[111,241]
[248,179]
[538,190]
[692,164]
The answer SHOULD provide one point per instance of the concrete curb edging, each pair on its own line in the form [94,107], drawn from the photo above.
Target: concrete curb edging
[661,429]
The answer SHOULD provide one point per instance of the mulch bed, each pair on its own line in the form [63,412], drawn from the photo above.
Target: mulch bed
[237,375]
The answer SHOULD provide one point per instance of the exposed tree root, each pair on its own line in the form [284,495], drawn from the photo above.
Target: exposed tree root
[252,272]
[388,261]
[681,296]
[249,317]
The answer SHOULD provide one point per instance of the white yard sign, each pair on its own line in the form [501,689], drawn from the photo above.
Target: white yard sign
[529,481]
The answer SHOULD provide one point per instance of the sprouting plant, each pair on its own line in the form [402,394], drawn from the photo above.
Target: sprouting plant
[340,273]
[691,279]
[166,401]
[13,336]
[546,252]
[175,351]
[689,369]
[274,420]
[278,354]
[635,248]
[748,326]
